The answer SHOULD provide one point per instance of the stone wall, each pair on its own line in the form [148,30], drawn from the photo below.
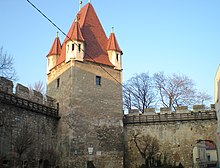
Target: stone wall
[177,138]
[28,127]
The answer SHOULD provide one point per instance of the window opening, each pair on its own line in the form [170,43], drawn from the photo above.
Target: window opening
[98,80]
[58,82]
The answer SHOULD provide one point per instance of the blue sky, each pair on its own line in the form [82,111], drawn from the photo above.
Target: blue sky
[174,36]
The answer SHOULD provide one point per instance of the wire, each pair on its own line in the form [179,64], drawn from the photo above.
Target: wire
[74,42]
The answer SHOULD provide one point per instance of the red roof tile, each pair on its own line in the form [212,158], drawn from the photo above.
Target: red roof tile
[112,43]
[94,36]
[56,47]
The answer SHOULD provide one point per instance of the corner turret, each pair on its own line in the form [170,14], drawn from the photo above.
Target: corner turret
[75,43]
[53,54]
[114,51]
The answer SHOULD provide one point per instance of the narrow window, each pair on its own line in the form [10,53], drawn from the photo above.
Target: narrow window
[98,80]
[117,57]
[72,47]
[58,82]
[67,48]
[58,106]
[79,47]
[1,87]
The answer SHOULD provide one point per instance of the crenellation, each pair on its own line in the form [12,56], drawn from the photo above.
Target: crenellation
[50,102]
[37,97]
[199,108]
[22,91]
[182,109]
[133,112]
[149,111]
[6,85]
[165,110]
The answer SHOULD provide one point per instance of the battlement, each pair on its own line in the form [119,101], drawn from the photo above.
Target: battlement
[168,110]
[182,113]
[26,98]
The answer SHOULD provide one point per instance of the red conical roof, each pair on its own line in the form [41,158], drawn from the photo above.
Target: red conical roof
[93,35]
[75,32]
[112,43]
[56,47]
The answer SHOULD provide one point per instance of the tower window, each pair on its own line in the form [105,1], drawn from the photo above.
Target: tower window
[79,47]
[98,80]
[117,57]
[67,48]
[72,47]
[58,82]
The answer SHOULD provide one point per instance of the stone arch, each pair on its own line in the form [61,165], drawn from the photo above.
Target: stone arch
[205,153]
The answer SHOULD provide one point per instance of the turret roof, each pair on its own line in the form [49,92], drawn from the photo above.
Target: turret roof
[93,35]
[112,43]
[56,47]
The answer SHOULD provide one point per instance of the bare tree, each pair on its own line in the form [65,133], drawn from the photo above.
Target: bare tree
[7,69]
[148,148]
[23,142]
[175,90]
[38,86]
[139,92]
[203,97]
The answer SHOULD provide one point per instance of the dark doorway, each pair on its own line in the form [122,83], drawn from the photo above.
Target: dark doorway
[90,164]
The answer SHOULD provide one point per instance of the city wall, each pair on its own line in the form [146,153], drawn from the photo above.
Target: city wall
[28,127]
[177,133]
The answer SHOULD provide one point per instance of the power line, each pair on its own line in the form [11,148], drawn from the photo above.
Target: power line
[74,42]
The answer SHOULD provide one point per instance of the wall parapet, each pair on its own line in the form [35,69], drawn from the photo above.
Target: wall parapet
[27,99]
[27,104]
[173,117]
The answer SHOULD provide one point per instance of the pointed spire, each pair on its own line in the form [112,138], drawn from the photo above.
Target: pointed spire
[76,33]
[57,34]
[112,42]
[56,47]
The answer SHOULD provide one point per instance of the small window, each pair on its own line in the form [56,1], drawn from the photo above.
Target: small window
[1,87]
[72,47]
[6,89]
[79,47]
[67,48]
[58,82]
[58,106]
[98,80]
[117,57]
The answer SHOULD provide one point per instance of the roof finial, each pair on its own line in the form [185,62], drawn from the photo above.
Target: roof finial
[113,29]
[89,1]
[77,18]
[57,34]
[80,4]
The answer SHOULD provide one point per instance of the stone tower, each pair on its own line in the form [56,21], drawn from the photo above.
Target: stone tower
[84,76]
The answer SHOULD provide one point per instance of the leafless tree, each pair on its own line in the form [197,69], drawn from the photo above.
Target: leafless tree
[7,69]
[203,97]
[23,142]
[148,148]
[175,90]
[139,92]
[38,86]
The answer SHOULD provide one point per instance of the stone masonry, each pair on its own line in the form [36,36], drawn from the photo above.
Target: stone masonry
[22,119]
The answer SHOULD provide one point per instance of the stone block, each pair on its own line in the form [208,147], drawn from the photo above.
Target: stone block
[165,110]
[37,97]
[6,85]
[197,108]
[182,109]
[22,91]
[133,112]
[149,111]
